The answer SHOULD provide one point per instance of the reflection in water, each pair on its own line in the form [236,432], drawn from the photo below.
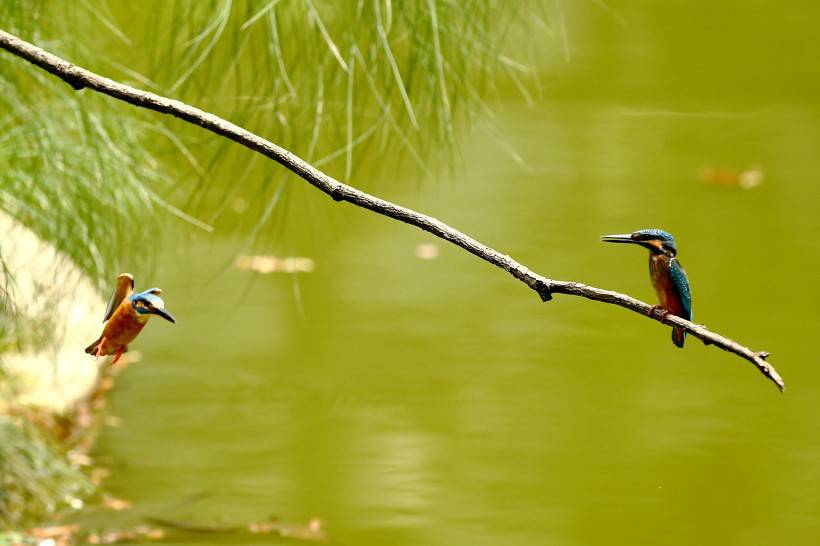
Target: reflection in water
[396,486]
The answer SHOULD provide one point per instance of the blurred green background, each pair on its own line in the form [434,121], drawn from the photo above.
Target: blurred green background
[438,402]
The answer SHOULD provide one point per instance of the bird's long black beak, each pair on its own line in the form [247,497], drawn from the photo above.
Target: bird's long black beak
[164,314]
[621,238]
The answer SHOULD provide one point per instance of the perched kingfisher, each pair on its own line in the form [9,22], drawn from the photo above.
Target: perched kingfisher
[127,313]
[668,276]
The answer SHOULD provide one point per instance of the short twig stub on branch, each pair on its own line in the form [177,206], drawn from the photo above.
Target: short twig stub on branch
[80,78]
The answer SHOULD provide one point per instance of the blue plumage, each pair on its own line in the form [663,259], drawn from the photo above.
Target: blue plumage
[681,283]
[680,302]
[655,234]
[149,298]
[667,275]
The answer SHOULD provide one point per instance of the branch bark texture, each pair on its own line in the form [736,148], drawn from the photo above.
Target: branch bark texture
[80,78]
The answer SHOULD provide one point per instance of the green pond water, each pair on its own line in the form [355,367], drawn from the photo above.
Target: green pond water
[439,402]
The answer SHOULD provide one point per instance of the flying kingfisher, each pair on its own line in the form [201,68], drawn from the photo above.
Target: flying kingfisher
[668,276]
[127,313]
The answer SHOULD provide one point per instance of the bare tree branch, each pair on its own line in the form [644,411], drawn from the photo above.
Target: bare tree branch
[80,78]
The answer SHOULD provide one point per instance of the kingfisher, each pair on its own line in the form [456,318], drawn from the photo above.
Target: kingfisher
[665,271]
[125,317]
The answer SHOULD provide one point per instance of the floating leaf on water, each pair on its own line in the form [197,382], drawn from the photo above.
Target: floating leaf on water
[54,532]
[261,527]
[750,178]
[271,264]
[426,251]
[745,179]
[311,532]
[115,536]
[116,504]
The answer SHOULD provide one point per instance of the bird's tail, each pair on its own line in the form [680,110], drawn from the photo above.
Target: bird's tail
[92,349]
[678,336]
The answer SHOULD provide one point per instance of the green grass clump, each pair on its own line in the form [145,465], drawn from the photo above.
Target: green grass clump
[36,481]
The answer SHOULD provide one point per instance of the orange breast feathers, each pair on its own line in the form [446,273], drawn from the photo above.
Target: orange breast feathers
[122,328]
[662,282]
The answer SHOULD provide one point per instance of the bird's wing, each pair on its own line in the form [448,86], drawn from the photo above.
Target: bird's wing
[123,289]
[681,283]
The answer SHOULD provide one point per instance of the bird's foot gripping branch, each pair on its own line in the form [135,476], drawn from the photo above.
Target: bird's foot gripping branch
[80,78]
